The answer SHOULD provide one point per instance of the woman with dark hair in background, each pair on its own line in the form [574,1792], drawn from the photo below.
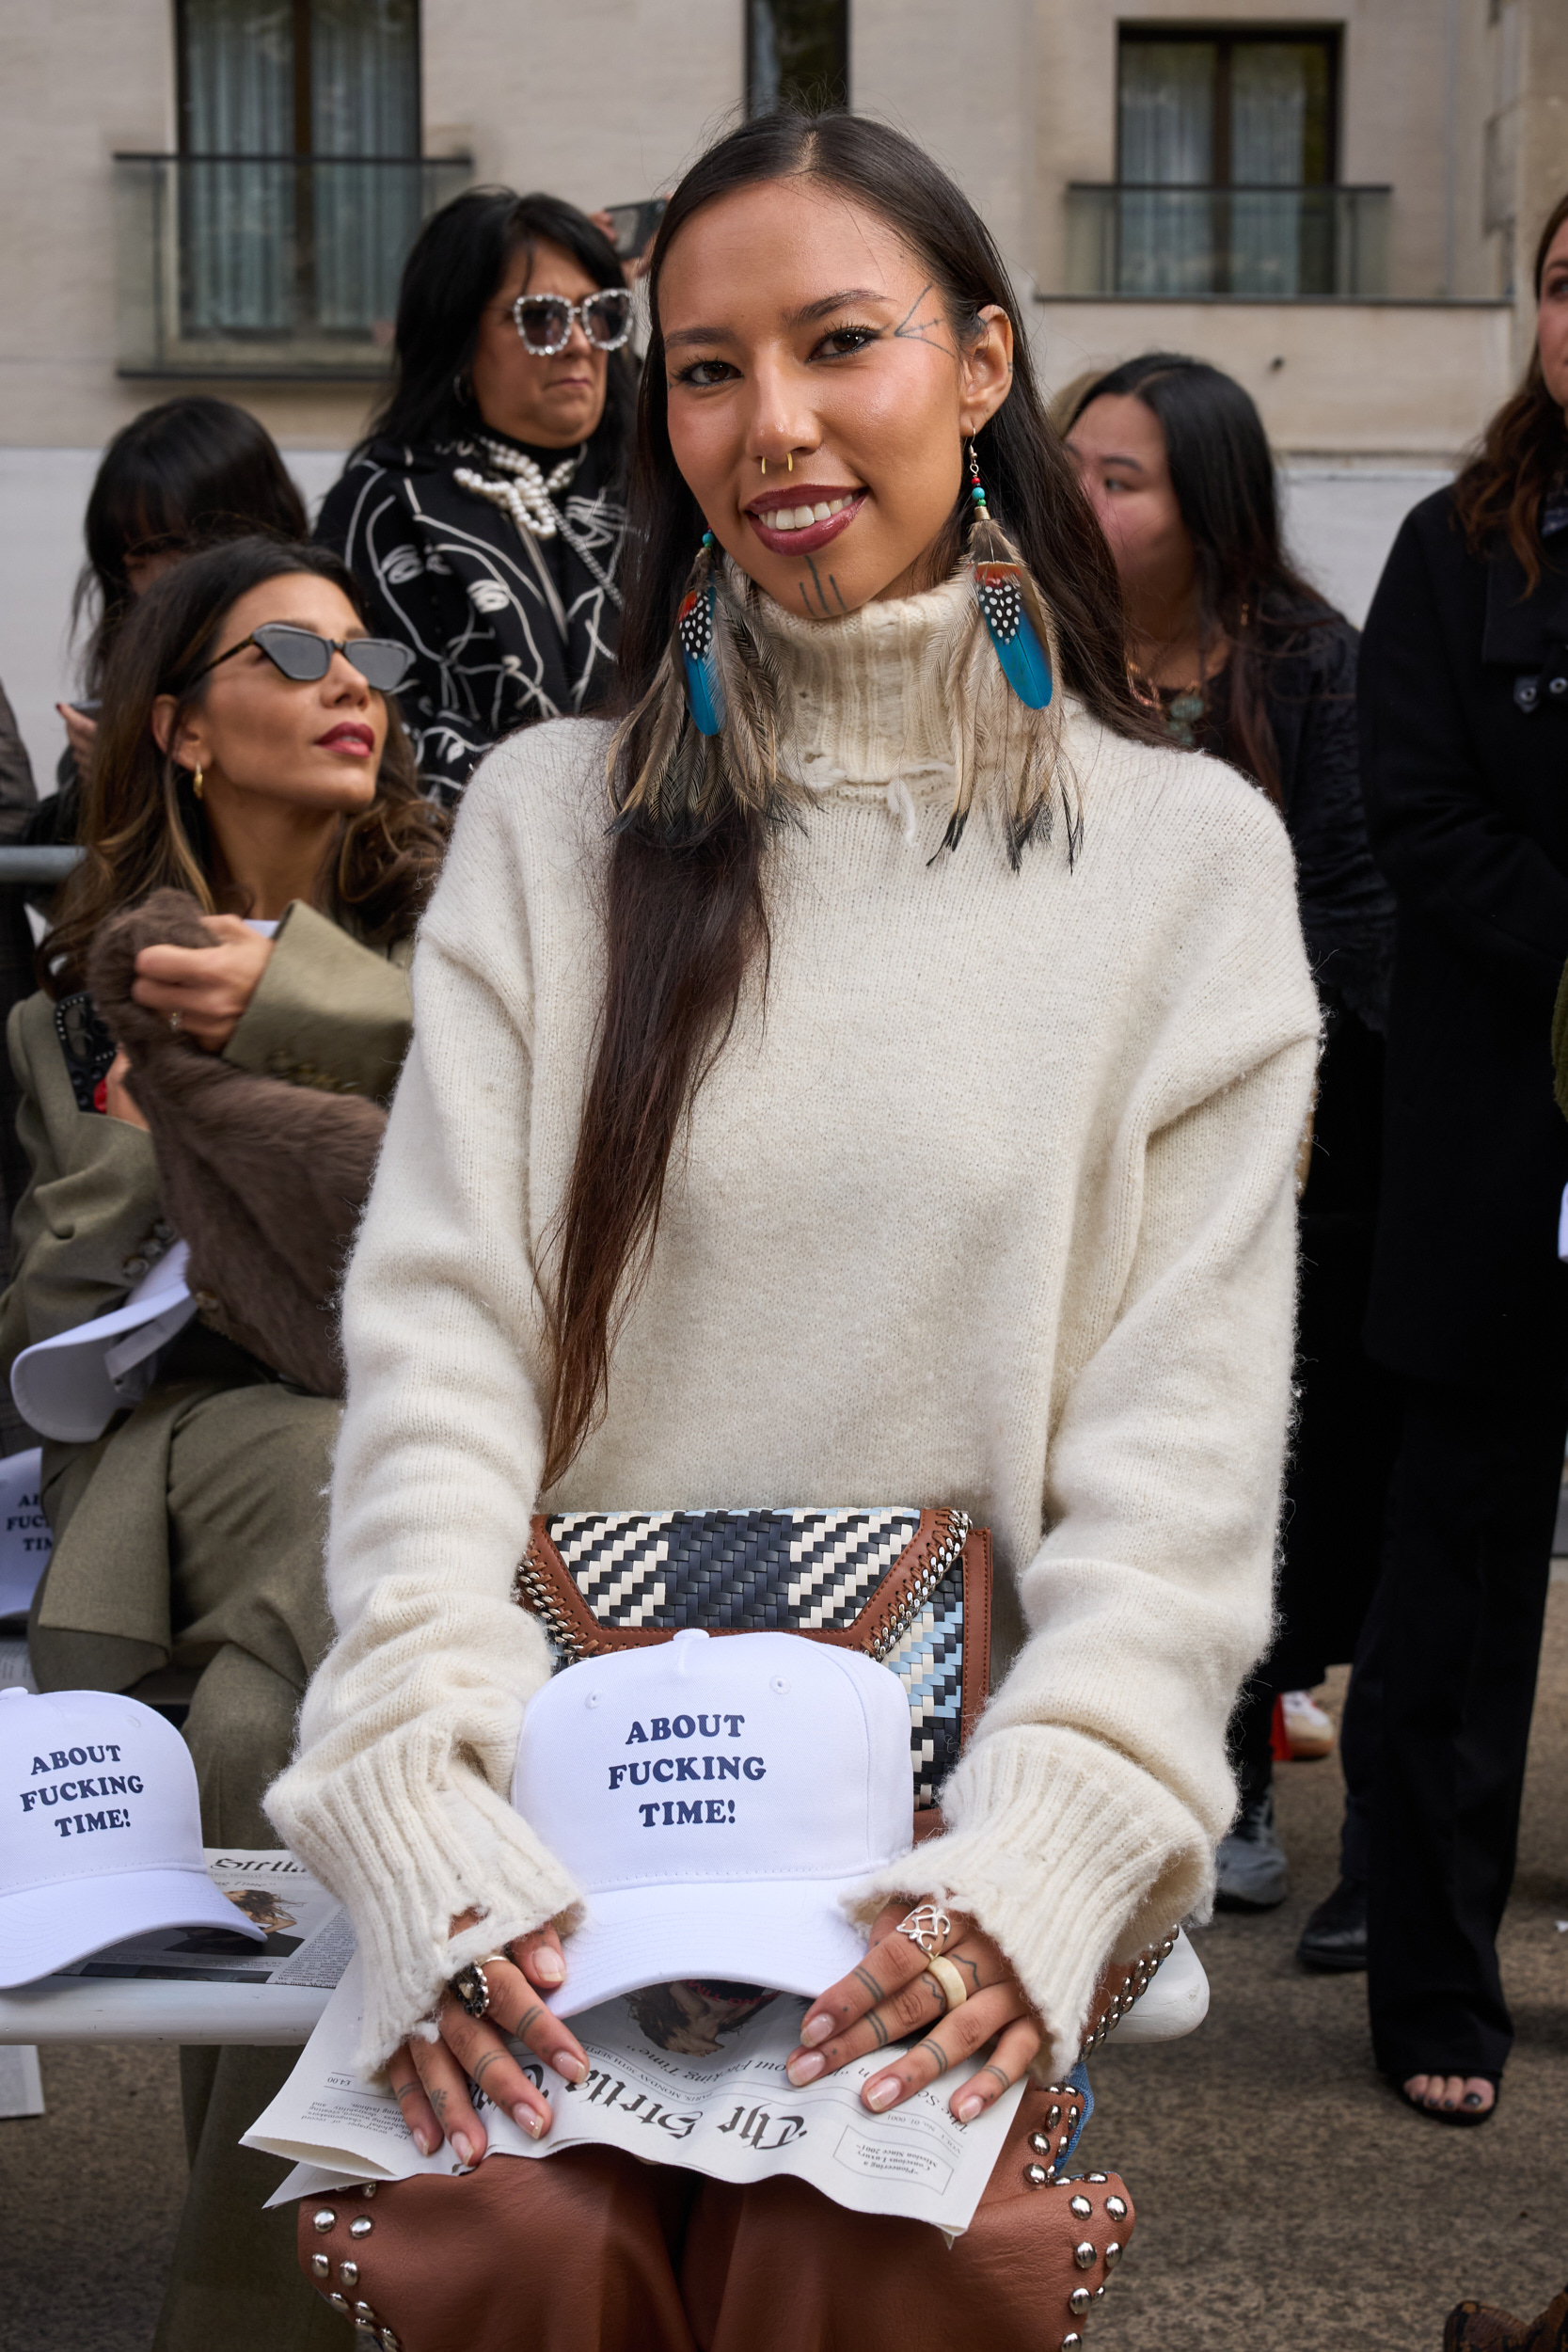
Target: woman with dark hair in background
[482,514]
[1246,660]
[190,471]
[1465,747]
[254,800]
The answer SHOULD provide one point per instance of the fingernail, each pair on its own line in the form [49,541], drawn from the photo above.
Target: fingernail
[570,2069]
[967,2110]
[550,1965]
[805,2070]
[816,2029]
[883,2094]
[423,2143]
[530,2118]
[461,2148]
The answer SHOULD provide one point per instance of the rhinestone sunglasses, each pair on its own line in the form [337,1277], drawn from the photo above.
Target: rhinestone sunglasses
[304,656]
[544,321]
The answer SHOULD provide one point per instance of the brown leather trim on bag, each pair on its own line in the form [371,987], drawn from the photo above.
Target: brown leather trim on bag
[584,1631]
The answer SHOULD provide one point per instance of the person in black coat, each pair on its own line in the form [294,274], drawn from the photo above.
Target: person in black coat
[1465,754]
[483,514]
[1246,660]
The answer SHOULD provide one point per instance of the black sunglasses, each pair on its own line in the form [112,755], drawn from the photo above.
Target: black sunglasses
[304,656]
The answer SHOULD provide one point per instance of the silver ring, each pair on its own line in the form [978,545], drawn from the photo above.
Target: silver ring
[471,1986]
[926,1919]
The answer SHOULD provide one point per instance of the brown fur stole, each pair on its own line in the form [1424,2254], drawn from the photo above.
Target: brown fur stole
[265,1180]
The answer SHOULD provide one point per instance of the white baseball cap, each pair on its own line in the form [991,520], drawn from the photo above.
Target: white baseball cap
[714,1798]
[100,1831]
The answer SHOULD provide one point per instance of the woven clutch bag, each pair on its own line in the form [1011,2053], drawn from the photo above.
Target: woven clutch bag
[911,1588]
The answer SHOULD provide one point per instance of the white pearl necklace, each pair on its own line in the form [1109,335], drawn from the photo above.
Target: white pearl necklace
[526,497]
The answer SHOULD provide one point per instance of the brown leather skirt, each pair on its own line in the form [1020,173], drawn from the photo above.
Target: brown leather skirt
[592,2252]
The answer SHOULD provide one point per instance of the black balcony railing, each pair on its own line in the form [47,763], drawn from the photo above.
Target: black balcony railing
[1272,243]
[268,264]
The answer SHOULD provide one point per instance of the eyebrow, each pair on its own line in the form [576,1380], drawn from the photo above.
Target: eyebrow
[805,316]
[1113,457]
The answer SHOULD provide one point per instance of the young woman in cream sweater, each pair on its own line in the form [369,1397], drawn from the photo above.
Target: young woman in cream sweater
[771,1134]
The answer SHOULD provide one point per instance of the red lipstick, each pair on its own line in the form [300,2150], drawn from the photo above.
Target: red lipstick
[789,499]
[348,735]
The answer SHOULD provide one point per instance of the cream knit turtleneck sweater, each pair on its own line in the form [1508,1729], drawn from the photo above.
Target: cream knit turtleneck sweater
[990,1204]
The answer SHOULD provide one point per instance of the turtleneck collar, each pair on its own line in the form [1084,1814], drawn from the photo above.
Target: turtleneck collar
[862,700]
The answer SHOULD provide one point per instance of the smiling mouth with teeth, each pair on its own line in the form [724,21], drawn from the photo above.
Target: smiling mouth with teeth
[801,517]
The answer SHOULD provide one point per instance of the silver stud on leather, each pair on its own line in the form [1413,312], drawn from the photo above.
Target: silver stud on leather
[1040,2143]
[364,2311]
[1072,2341]
[389,2342]
[1112,2253]
[1084,2255]
[1036,2175]
[1116,2208]
[367,2188]
[1078,2302]
[1099,2177]
[321,2265]
[1081,2207]
[361,2225]
[1052,2118]
[349,2274]
[339,2302]
[323,2219]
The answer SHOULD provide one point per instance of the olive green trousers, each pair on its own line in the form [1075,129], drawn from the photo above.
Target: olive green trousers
[240,1598]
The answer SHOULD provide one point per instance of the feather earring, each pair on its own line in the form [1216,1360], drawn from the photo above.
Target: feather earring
[1016,731]
[1002,584]
[704,687]
[706,731]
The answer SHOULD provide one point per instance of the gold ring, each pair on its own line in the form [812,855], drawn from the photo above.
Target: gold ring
[955,1993]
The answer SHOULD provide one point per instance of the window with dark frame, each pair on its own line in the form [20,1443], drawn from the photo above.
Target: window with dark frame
[797,54]
[299,136]
[1226,157]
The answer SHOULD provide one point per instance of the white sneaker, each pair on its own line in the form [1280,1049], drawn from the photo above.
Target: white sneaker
[1309,1731]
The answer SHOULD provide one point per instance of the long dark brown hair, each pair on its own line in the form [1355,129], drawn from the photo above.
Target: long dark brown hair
[686,918]
[1221,474]
[142,826]
[1523,450]
[186,474]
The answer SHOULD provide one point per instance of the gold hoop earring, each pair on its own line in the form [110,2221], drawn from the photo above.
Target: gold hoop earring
[197,783]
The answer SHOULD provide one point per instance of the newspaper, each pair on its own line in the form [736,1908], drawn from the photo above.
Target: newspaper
[309,1941]
[688,2074]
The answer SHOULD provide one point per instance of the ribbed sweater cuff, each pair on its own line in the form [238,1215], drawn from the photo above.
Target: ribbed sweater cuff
[407,1836]
[1058,1848]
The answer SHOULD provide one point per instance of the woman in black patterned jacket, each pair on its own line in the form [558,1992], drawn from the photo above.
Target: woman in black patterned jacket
[483,515]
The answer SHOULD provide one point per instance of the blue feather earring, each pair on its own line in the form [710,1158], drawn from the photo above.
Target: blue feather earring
[1002,586]
[694,626]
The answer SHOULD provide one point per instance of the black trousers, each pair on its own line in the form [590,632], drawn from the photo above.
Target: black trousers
[1438,1717]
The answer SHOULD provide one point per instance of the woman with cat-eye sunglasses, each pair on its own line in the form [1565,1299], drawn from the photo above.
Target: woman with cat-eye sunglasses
[303,656]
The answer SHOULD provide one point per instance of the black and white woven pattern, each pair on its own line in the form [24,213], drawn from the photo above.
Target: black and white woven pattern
[777,1572]
[752,1571]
